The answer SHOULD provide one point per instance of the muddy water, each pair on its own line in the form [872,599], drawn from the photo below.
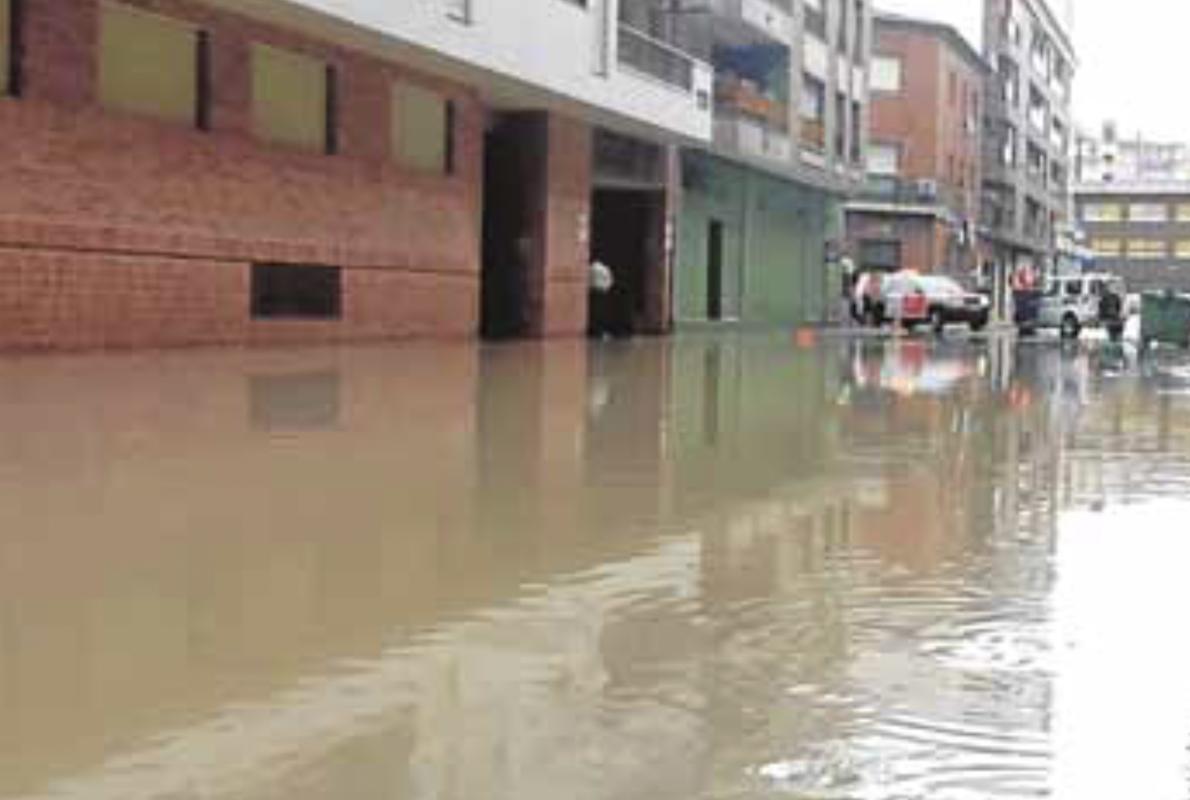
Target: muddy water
[711,568]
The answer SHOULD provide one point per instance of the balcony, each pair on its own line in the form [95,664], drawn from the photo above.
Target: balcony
[532,53]
[909,192]
[773,19]
[656,59]
[753,138]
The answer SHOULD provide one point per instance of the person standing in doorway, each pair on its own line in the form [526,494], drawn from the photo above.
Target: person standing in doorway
[602,281]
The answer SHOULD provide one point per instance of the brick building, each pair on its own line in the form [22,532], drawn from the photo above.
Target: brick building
[921,206]
[313,170]
[1139,231]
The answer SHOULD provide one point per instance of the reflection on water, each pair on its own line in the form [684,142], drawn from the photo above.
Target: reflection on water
[720,568]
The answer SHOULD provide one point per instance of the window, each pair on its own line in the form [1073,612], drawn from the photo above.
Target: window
[886,74]
[813,112]
[815,19]
[1183,212]
[1107,248]
[421,128]
[8,28]
[952,88]
[1148,212]
[880,254]
[282,291]
[884,159]
[290,98]
[148,64]
[1182,249]
[1144,249]
[1103,212]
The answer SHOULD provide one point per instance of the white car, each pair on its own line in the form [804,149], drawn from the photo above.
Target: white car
[1073,302]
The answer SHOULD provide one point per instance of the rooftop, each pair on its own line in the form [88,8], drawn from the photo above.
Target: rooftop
[884,19]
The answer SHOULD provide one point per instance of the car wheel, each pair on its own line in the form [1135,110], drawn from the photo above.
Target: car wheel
[1071,327]
[937,321]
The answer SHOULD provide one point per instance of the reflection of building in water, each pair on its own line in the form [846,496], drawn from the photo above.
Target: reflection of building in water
[538,570]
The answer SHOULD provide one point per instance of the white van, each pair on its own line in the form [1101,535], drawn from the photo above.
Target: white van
[1073,302]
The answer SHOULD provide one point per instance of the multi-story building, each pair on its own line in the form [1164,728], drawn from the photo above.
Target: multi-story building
[920,207]
[210,171]
[1109,158]
[761,205]
[1027,136]
[1139,231]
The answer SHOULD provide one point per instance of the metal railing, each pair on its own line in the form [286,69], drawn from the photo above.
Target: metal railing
[908,192]
[655,58]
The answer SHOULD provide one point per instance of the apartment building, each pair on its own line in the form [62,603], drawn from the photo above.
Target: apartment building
[920,207]
[762,202]
[183,172]
[1028,132]
[1139,231]
[1110,157]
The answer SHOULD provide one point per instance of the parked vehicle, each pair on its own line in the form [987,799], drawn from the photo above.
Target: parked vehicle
[903,300]
[1072,303]
[915,300]
[950,303]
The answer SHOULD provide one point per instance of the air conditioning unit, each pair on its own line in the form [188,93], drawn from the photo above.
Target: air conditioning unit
[927,190]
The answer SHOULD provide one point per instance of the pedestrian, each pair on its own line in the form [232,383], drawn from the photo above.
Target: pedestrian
[601,283]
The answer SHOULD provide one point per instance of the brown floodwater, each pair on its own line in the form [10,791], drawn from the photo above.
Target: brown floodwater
[725,568]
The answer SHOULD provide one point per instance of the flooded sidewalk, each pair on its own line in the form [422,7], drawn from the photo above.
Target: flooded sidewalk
[728,568]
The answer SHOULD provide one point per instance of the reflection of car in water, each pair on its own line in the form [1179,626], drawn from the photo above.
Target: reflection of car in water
[910,368]
[1074,302]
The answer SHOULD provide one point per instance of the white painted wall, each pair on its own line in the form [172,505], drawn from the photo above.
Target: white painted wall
[554,45]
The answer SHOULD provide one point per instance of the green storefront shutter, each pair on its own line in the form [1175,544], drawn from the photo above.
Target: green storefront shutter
[289,98]
[420,128]
[147,63]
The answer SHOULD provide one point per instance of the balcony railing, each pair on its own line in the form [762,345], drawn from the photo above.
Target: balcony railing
[655,58]
[735,97]
[910,192]
[749,136]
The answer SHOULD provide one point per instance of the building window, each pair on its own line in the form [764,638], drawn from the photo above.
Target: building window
[1103,212]
[148,64]
[290,98]
[1107,248]
[1182,249]
[880,254]
[8,48]
[1148,212]
[283,291]
[884,160]
[1183,212]
[813,112]
[885,74]
[422,129]
[815,19]
[1147,249]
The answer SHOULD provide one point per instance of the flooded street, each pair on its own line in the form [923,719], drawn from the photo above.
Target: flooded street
[721,568]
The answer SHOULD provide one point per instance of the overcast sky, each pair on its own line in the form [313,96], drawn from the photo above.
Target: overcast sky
[1123,48]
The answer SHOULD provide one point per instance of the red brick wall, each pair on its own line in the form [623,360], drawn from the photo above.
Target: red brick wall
[567,220]
[908,118]
[118,231]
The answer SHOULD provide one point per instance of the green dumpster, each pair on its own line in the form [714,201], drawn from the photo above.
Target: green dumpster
[1165,318]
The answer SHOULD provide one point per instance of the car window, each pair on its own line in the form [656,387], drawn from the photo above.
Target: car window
[1074,288]
[1097,288]
[1053,289]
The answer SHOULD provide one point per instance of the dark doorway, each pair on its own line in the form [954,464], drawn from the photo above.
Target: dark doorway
[627,226]
[715,271]
[514,176]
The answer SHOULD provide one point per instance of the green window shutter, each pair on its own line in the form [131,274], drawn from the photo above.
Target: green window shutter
[420,128]
[5,39]
[289,98]
[147,63]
